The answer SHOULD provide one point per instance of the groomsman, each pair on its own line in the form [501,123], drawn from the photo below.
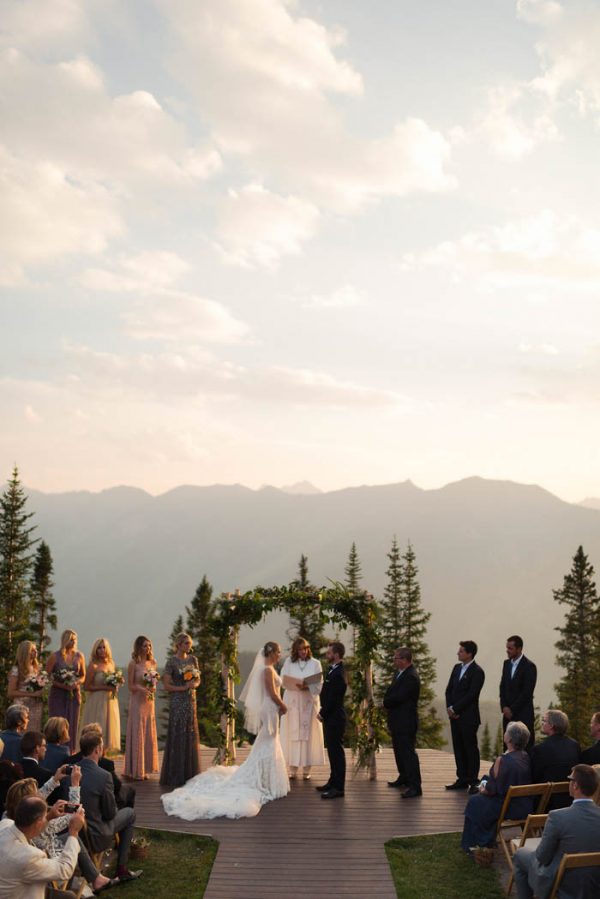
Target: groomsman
[462,702]
[401,700]
[333,716]
[519,676]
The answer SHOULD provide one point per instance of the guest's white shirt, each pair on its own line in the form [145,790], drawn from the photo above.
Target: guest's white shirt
[25,870]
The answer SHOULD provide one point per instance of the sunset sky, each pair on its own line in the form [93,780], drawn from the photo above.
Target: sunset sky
[262,241]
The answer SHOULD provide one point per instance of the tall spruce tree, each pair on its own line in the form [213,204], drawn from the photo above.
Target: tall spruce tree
[485,745]
[391,619]
[579,646]
[199,614]
[43,604]
[16,557]
[498,741]
[353,572]
[306,619]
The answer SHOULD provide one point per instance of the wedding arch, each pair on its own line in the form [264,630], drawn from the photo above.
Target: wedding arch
[335,605]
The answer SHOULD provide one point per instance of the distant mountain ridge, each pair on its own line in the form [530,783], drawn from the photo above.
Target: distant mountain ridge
[489,554]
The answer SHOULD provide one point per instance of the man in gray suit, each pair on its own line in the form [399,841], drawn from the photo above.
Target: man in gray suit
[104,819]
[573,829]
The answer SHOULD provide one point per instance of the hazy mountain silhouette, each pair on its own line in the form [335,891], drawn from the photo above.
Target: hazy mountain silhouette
[489,554]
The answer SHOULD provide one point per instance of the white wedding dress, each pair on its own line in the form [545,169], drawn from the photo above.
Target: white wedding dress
[238,791]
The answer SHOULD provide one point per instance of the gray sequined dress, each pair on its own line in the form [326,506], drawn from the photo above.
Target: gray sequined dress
[181,759]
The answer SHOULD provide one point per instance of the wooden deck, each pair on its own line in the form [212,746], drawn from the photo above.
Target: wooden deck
[302,846]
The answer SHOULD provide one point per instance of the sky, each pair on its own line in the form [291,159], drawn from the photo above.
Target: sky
[263,241]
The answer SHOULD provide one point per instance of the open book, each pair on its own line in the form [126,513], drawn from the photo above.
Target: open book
[312,682]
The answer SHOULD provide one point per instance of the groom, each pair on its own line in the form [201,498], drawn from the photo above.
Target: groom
[333,716]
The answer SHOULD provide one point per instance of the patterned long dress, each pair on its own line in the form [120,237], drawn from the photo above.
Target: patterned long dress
[35,704]
[66,703]
[141,749]
[181,759]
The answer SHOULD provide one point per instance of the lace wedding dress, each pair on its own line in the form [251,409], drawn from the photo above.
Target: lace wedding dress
[239,791]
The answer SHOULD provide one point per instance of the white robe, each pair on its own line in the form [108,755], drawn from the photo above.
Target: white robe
[301,732]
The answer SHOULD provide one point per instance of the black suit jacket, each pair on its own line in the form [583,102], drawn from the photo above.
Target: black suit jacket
[517,692]
[552,760]
[591,756]
[463,695]
[332,695]
[401,699]
[31,768]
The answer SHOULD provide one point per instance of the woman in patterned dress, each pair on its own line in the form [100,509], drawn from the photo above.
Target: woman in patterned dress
[26,664]
[141,748]
[64,701]
[181,759]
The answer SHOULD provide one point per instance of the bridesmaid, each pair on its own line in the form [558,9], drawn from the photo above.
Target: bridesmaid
[26,664]
[181,759]
[141,748]
[65,701]
[101,703]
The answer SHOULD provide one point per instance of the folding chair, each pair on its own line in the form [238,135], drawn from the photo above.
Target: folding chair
[557,786]
[504,823]
[532,831]
[574,860]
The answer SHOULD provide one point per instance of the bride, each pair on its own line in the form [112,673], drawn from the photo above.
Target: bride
[240,791]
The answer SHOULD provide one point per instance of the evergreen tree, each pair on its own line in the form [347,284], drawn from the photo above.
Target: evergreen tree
[175,631]
[579,645]
[499,742]
[353,570]
[306,619]
[15,564]
[199,615]
[485,747]
[43,604]
[391,619]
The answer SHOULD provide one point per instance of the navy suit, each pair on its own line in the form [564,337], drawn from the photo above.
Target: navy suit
[32,768]
[333,715]
[463,695]
[553,760]
[591,756]
[516,692]
[401,702]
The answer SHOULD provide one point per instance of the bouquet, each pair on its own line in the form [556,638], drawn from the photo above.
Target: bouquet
[190,672]
[114,680]
[151,678]
[67,677]
[35,682]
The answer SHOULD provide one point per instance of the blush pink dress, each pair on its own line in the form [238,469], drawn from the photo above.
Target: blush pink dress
[141,748]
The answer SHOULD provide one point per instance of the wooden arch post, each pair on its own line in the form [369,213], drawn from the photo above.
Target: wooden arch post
[226,754]
[370,699]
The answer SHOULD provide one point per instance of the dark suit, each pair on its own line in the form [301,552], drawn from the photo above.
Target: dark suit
[591,756]
[463,695]
[574,829]
[334,724]
[31,768]
[12,745]
[401,700]
[103,818]
[516,692]
[553,760]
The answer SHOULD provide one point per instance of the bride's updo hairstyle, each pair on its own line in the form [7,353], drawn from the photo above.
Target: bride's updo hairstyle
[270,648]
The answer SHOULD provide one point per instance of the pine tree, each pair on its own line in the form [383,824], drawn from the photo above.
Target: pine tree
[499,742]
[485,747]
[306,619]
[15,564]
[391,619]
[175,631]
[199,615]
[43,604]
[353,572]
[579,645]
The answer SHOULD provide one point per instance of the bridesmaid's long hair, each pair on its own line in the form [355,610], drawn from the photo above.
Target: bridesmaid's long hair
[65,638]
[94,653]
[24,659]
[298,642]
[136,655]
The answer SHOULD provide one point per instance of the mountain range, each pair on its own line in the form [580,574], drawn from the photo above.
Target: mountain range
[489,554]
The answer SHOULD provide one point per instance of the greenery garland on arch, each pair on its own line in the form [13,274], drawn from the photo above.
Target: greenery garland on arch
[336,606]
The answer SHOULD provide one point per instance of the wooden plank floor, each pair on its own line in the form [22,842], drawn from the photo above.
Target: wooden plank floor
[302,846]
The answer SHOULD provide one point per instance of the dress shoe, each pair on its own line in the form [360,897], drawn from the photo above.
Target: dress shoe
[412,793]
[473,790]
[323,788]
[332,793]
[397,783]
[457,785]
[126,876]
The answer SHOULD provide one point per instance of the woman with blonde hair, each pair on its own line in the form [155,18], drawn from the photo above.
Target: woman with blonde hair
[101,704]
[141,746]
[66,668]
[181,759]
[301,730]
[27,666]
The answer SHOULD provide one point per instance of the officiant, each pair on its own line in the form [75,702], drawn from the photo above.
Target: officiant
[301,731]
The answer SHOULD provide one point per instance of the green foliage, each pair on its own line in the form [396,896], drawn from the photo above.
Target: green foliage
[306,619]
[199,616]
[579,646]
[499,741]
[43,604]
[16,543]
[485,744]
[353,570]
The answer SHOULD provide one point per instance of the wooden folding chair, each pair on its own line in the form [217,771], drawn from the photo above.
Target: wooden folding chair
[504,823]
[557,786]
[532,830]
[574,860]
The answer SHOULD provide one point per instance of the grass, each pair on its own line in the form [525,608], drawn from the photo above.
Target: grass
[177,864]
[434,867]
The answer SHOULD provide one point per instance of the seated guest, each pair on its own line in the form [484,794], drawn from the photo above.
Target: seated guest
[25,871]
[10,773]
[52,839]
[124,794]
[511,769]
[554,757]
[591,756]
[573,829]
[16,721]
[33,751]
[58,740]
[104,819]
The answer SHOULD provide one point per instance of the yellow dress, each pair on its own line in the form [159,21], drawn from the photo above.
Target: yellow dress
[101,708]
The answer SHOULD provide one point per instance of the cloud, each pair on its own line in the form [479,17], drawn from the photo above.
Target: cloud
[509,125]
[38,23]
[539,12]
[345,297]
[575,382]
